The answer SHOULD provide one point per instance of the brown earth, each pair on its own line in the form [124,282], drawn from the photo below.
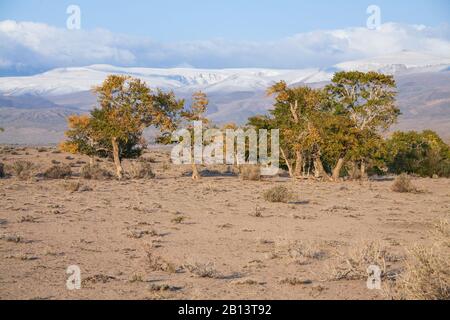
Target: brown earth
[172,238]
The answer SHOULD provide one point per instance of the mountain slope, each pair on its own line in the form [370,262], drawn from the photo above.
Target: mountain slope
[32,109]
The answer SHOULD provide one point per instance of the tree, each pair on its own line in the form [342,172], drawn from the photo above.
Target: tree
[126,106]
[80,137]
[196,112]
[368,99]
[294,114]
[423,153]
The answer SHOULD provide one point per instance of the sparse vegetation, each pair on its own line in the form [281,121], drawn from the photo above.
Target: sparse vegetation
[95,172]
[278,194]
[250,172]
[202,270]
[72,186]
[353,264]
[58,172]
[141,170]
[427,275]
[157,263]
[403,184]
[302,251]
[2,170]
[24,170]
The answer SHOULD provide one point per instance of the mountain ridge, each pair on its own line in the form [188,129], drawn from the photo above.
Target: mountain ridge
[234,94]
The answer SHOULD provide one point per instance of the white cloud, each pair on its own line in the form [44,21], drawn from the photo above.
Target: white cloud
[30,47]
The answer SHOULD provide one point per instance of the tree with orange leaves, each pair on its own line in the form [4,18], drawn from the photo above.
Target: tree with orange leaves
[126,106]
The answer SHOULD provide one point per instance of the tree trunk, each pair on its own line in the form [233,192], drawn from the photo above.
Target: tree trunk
[283,154]
[354,173]
[337,169]
[195,174]
[363,170]
[319,171]
[117,163]
[298,163]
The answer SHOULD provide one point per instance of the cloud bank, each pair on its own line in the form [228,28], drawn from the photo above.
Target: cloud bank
[29,47]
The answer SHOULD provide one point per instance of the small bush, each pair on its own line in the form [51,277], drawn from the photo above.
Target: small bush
[24,170]
[142,170]
[427,276]
[2,170]
[95,172]
[353,264]
[403,184]
[278,194]
[202,270]
[58,172]
[250,172]
[72,186]
[157,263]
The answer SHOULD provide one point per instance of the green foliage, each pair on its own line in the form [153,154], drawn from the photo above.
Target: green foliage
[340,124]
[424,154]
[126,106]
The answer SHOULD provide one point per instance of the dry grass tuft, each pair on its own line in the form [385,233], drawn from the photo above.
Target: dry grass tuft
[302,252]
[278,194]
[427,276]
[442,231]
[141,169]
[203,270]
[250,172]
[95,172]
[353,264]
[403,184]
[24,170]
[157,263]
[58,172]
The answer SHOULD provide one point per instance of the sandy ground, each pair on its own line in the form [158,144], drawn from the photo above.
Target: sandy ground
[138,239]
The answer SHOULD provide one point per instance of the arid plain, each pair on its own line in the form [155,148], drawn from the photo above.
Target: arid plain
[169,237]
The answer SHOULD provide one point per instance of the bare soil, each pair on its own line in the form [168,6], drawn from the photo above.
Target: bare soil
[173,238]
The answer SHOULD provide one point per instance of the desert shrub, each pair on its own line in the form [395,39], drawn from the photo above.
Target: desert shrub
[403,184]
[157,263]
[42,149]
[278,194]
[95,172]
[74,186]
[427,276]
[352,265]
[141,170]
[24,170]
[2,170]
[301,251]
[202,270]
[58,172]
[250,172]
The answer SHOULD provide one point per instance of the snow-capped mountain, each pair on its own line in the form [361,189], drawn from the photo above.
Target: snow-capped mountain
[71,80]
[235,94]
[402,62]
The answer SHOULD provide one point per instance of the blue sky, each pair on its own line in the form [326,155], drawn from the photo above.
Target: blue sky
[215,33]
[173,20]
